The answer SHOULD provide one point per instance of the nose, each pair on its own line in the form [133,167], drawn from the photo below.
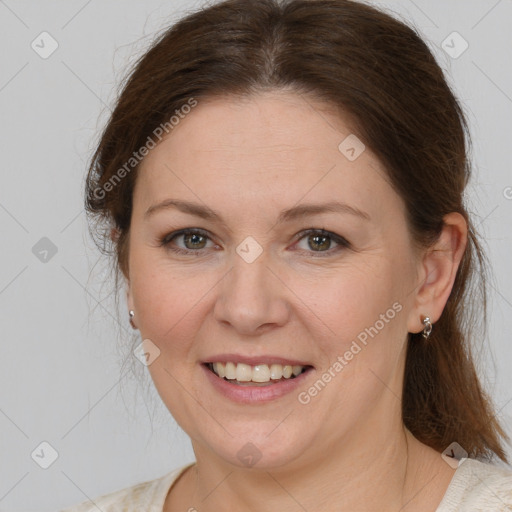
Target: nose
[252,297]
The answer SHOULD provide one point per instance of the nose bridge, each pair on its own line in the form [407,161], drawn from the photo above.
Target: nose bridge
[249,280]
[250,265]
[251,295]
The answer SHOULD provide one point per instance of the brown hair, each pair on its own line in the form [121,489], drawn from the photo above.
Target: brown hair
[378,71]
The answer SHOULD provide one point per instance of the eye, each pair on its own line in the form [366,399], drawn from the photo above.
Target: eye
[193,239]
[320,241]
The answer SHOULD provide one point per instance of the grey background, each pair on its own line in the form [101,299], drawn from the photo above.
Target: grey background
[61,375]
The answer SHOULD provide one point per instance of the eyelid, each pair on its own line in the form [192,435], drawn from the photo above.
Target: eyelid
[167,239]
[342,242]
[174,234]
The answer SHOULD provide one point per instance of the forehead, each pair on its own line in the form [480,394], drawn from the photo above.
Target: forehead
[271,148]
[277,125]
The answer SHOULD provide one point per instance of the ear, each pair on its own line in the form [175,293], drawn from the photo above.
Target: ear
[129,297]
[127,284]
[129,302]
[115,233]
[438,269]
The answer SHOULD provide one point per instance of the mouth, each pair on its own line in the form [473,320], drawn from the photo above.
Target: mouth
[256,375]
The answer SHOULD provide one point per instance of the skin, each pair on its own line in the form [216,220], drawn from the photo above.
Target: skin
[347,449]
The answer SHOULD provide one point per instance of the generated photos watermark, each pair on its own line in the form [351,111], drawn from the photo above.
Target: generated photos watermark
[305,397]
[151,142]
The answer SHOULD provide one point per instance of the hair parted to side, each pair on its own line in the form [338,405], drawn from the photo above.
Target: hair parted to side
[380,73]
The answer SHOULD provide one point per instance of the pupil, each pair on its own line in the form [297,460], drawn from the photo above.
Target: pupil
[317,237]
[194,238]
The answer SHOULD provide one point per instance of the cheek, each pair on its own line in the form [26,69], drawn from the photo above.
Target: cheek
[169,301]
[354,301]
[355,298]
[363,307]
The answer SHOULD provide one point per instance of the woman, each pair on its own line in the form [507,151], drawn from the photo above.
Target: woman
[283,186]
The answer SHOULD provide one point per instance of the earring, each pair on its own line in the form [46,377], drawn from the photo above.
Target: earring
[428,327]
[132,314]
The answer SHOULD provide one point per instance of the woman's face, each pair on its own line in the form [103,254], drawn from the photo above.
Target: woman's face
[259,283]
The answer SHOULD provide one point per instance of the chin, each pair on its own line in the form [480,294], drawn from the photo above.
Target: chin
[259,451]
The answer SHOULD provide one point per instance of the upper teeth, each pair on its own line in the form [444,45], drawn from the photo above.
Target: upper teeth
[259,373]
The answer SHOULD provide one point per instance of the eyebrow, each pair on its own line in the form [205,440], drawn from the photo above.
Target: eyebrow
[288,215]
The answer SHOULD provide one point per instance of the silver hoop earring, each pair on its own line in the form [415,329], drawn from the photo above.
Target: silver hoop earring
[132,314]
[427,329]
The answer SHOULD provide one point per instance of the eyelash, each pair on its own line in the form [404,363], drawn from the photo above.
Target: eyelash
[166,241]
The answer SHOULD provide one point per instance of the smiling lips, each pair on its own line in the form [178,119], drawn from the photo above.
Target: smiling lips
[260,373]
[255,379]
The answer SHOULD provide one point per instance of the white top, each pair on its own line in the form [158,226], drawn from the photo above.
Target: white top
[475,487]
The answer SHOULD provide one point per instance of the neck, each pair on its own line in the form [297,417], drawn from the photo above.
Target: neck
[392,472]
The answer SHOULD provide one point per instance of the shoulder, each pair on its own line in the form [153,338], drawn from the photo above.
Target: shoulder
[478,487]
[148,496]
